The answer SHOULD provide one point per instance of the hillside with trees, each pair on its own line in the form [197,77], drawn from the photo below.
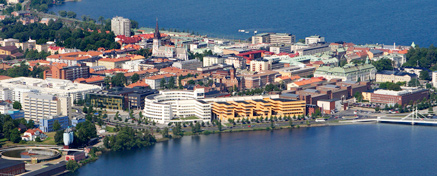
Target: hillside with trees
[424,57]
[65,36]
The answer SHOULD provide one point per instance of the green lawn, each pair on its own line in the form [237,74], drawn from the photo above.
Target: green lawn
[50,140]
[110,129]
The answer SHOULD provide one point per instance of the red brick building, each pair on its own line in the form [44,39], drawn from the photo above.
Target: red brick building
[11,167]
[403,97]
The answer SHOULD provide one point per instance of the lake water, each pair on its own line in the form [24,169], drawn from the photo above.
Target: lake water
[374,149]
[358,21]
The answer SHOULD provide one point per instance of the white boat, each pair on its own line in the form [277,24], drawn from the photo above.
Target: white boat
[255,32]
[241,30]
[247,32]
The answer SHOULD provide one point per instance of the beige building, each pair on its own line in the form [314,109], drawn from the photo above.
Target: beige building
[261,38]
[212,60]
[38,106]
[111,63]
[282,38]
[314,39]
[394,76]
[260,65]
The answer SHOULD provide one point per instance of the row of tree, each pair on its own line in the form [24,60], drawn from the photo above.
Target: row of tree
[128,138]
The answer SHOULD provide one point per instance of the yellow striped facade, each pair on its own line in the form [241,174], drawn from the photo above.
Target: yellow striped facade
[258,108]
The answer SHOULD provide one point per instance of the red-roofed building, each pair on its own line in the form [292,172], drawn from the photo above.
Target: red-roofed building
[63,71]
[306,82]
[96,80]
[138,84]
[32,134]
[155,81]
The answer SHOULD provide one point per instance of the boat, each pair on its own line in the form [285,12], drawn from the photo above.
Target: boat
[255,32]
[241,30]
[247,32]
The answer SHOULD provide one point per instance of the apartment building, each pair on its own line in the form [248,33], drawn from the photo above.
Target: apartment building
[69,72]
[38,106]
[121,26]
[260,65]
[212,60]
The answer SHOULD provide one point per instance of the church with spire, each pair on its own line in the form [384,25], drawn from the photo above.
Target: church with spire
[168,51]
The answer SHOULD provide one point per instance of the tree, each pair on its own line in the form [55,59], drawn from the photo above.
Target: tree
[15,135]
[383,64]
[162,83]
[424,75]
[8,127]
[135,78]
[16,105]
[72,165]
[101,19]
[358,96]
[119,80]
[62,13]
[56,126]
[290,123]
[171,83]
[38,139]
[219,125]
[134,24]
[164,133]
[59,136]
[414,83]
[30,124]
[71,14]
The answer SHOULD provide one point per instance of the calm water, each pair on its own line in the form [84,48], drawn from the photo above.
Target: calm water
[358,21]
[380,149]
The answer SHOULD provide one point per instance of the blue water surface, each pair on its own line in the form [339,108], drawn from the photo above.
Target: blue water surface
[374,149]
[358,21]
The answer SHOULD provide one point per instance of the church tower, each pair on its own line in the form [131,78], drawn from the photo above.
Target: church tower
[156,39]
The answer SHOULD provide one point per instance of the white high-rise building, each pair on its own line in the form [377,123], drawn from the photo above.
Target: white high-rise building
[38,106]
[121,26]
[5,94]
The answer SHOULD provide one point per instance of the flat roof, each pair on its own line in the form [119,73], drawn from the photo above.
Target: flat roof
[4,163]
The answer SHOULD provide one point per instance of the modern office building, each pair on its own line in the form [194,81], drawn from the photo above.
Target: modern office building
[119,98]
[59,87]
[168,106]
[38,106]
[250,109]
[282,38]
[46,123]
[121,26]
[274,38]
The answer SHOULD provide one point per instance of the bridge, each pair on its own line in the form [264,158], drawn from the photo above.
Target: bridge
[412,118]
